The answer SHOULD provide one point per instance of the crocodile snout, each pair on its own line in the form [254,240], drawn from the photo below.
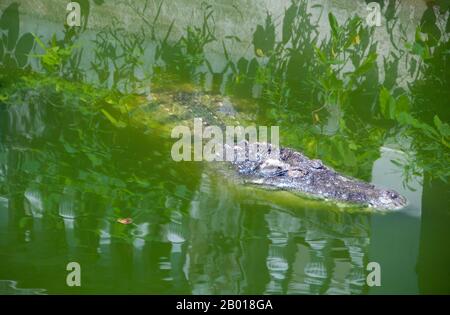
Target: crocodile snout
[391,199]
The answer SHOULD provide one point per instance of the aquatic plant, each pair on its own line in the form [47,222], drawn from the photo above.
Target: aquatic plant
[55,56]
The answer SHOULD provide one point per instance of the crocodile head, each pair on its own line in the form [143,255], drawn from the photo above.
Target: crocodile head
[388,199]
[293,171]
[325,183]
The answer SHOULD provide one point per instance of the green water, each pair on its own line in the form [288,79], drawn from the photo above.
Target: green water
[68,173]
[66,179]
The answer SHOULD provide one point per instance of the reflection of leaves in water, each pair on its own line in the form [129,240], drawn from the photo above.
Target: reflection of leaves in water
[92,156]
[338,85]
[89,156]
[115,122]
[8,287]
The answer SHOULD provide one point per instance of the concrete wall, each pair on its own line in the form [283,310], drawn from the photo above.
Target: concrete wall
[232,17]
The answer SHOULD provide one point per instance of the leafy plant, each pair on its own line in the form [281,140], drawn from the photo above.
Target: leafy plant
[430,148]
[55,56]
[14,49]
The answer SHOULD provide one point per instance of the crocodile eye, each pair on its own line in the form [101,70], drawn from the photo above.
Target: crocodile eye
[392,194]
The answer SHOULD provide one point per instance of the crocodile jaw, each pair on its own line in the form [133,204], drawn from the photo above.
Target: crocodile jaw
[361,194]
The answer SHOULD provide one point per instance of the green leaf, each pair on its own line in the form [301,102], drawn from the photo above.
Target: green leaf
[288,21]
[23,48]
[443,128]
[385,100]
[352,146]
[335,29]
[10,22]
[367,64]
[39,41]
[406,119]
[94,159]
[321,54]
[69,148]
[402,105]
[115,122]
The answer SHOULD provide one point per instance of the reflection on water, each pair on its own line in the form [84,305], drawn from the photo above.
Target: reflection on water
[193,231]
[265,247]
[8,287]
[67,174]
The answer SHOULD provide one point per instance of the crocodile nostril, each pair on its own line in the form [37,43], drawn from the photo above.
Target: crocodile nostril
[317,164]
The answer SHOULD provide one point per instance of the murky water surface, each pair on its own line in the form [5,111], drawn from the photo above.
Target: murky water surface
[67,175]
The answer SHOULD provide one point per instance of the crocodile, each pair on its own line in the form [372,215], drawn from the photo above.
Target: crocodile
[289,169]
[293,171]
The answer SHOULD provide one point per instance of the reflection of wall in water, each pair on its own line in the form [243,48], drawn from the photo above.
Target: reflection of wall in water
[252,246]
[395,236]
